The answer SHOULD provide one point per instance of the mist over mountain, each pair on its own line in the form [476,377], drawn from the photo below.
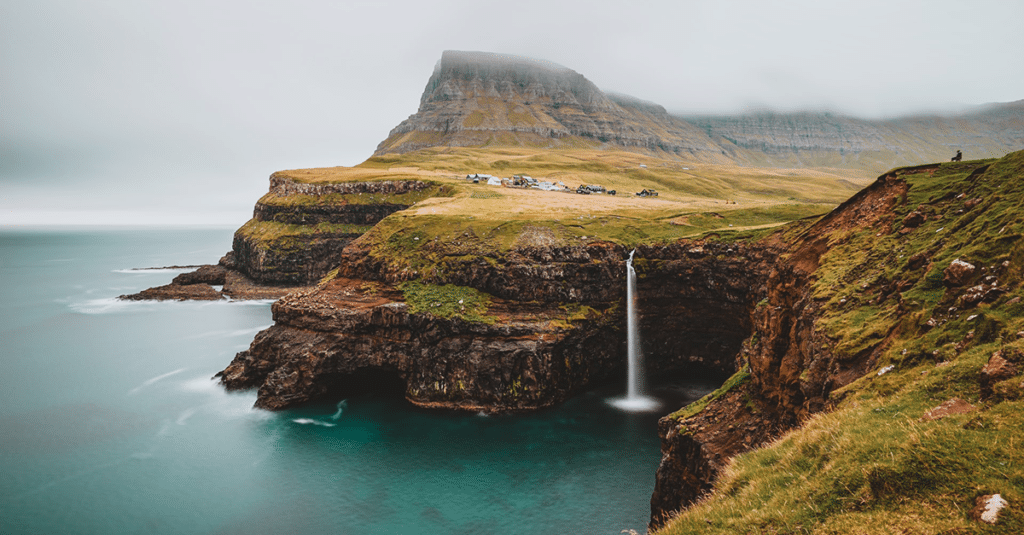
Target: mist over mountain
[483,99]
[478,99]
[810,139]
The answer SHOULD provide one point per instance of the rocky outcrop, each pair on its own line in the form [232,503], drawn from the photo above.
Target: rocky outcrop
[339,340]
[295,259]
[569,335]
[299,229]
[199,285]
[176,292]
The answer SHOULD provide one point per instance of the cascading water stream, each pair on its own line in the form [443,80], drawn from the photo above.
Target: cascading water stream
[636,398]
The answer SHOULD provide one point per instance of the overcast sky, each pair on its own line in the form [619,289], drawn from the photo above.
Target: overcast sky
[159,111]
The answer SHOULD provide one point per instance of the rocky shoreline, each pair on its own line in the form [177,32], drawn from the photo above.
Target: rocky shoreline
[199,285]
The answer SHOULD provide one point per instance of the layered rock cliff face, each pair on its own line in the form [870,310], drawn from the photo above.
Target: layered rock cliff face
[789,368]
[554,326]
[476,99]
[841,290]
[299,230]
[809,139]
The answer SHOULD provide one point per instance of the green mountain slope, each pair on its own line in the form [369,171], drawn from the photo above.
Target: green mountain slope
[928,301]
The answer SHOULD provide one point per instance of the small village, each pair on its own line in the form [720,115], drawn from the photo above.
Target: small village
[524,181]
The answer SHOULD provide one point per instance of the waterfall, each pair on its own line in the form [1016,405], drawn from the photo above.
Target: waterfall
[634,358]
[636,398]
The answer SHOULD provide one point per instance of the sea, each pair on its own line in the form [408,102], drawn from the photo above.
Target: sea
[111,421]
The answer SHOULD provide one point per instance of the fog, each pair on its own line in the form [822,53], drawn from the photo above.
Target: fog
[145,112]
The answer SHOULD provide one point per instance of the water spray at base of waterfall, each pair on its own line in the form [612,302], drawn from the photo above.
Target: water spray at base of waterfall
[636,399]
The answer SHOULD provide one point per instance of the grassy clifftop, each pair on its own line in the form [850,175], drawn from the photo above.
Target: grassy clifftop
[935,425]
[452,217]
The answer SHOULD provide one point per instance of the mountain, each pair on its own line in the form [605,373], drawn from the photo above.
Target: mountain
[476,99]
[808,139]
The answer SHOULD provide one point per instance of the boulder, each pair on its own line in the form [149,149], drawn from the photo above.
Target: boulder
[997,369]
[958,273]
[949,408]
[913,219]
[987,508]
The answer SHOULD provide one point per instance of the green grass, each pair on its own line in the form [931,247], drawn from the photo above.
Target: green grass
[738,378]
[447,301]
[341,199]
[272,231]
[871,465]
[621,170]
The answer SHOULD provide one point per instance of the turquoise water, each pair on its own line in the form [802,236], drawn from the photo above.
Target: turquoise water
[110,422]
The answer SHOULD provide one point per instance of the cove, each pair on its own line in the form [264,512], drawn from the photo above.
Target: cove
[112,423]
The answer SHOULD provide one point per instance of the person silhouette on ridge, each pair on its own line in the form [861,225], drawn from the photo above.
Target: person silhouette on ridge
[959,156]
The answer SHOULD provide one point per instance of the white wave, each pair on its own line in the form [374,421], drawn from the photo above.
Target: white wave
[342,405]
[137,271]
[248,302]
[310,421]
[223,403]
[148,382]
[231,334]
[201,384]
[185,415]
[108,305]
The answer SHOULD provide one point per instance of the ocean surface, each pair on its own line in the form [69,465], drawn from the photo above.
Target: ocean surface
[110,421]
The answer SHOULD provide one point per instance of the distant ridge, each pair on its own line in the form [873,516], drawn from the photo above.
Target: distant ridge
[819,139]
[479,99]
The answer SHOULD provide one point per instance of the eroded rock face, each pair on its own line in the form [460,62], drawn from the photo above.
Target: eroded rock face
[703,445]
[695,310]
[304,260]
[295,247]
[322,340]
[792,368]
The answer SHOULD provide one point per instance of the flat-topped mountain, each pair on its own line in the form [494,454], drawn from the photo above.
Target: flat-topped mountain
[476,99]
[479,99]
[821,139]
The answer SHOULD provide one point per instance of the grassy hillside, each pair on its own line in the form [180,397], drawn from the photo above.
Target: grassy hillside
[877,463]
[477,219]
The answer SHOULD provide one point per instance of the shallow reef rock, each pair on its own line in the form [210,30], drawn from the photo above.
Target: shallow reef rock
[199,285]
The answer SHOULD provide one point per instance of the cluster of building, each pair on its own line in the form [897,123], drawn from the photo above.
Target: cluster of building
[524,181]
[517,181]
